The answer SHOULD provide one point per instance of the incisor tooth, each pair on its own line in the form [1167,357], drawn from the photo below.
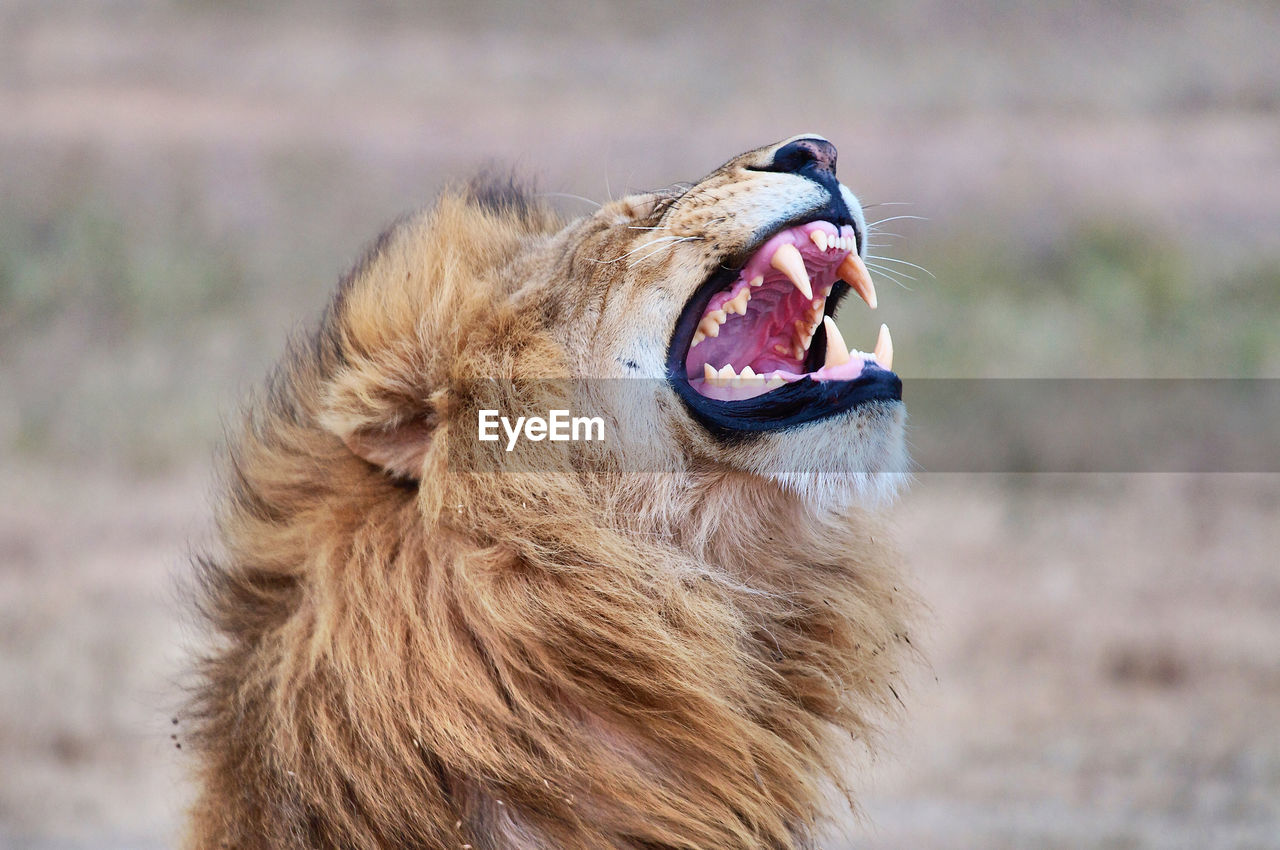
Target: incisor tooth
[853,272]
[884,348]
[787,260]
[819,238]
[837,351]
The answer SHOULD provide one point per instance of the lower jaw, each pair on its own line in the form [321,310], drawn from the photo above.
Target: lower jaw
[798,403]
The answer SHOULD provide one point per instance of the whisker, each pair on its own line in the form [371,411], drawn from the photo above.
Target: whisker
[898,218]
[890,270]
[567,195]
[892,275]
[646,245]
[662,248]
[903,262]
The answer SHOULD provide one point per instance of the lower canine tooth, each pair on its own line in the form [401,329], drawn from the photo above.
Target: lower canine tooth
[853,272]
[787,260]
[837,351]
[884,348]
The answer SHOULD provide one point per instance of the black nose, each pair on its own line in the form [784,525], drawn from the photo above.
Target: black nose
[794,157]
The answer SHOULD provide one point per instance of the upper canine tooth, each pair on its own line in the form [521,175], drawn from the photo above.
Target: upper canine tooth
[819,238]
[853,272]
[884,348]
[787,260]
[837,351]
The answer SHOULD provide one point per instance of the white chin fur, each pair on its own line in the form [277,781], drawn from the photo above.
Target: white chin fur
[838,492]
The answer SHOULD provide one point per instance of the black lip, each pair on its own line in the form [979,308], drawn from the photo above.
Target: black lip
[795,404]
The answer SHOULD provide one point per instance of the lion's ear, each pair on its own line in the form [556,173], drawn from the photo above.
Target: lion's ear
[383,423]
[399,449]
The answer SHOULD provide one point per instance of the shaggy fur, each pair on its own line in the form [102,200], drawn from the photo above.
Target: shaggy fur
[412,652]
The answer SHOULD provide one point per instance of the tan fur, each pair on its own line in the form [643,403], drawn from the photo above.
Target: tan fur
[411,653]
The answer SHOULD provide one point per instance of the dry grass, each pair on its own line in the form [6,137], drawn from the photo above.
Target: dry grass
[183,182]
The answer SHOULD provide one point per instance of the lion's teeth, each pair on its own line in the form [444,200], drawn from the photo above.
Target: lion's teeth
[853,272]
[709,375]
[698,337]
[727,374]
[774,382]
[738,304]
[837,351]
[884,348]
[758,280]
[787,260]
[710,324]
[819,238]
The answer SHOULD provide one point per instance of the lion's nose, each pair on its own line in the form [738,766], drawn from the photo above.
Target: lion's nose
[799,154]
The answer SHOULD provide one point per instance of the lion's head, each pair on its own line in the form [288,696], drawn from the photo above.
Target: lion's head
[723,291]
[665,639]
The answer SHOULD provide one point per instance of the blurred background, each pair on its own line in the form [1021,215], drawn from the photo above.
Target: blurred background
[182,183]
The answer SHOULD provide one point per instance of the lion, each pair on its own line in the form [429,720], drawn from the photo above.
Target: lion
[673,637]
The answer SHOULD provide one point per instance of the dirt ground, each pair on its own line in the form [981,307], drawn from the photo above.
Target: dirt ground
[183,181]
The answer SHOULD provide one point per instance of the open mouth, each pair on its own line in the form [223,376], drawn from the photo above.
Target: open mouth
[757,347]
